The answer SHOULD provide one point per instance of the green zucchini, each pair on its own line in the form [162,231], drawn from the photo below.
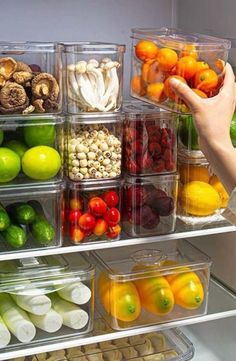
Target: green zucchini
[4,219]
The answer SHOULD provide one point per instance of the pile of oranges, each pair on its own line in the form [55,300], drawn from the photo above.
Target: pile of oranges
[159,65]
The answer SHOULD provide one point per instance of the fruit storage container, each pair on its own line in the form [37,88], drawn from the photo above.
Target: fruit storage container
[201,196]
[45,298]
[170,345]
[30,78]
[31,219]
[161,54]
[31,150]
[155,284]
[149,205]
[94,147]
[93,211]
[93,73]
[150,144]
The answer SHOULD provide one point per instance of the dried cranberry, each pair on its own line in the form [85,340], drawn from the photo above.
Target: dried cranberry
[169,165]
[159,167]
[167,155]
[154,148]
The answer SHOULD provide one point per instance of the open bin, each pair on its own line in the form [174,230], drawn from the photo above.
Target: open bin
[30,78]
[155,284]
[31,218]
[93,76]
[31,149]
[45,298]
[160,54]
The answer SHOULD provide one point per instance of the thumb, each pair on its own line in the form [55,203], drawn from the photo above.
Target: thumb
[185,93]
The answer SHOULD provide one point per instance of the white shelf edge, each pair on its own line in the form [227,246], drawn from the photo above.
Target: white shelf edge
[73,341]
[113,244]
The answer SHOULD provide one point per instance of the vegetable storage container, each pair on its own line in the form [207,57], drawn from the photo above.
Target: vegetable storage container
[201,196]
[155,284]
[94,147]
[149,205]
[31,150]
[161,54]
[45,298]
[30,78]
[31,219]
[149,140]
[93,74]
[170,345]
[93,211]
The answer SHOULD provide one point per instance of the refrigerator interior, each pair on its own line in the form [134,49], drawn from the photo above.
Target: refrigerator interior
[111,21]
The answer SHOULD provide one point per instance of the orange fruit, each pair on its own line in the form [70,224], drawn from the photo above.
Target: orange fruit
[186,67]
[167,59]
[206,80]
[151,72]
[224,196]
[201,65]
[155,92]
[146,50]
[189,50]
[169,92]
[220,64]
[145,69]
[190,173]
[199,93]
[137,85]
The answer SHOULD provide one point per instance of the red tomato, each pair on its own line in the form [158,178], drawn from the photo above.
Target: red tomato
[74,216]
[114,232]
[111,198]
[87,222]
[112,217]
[97,206]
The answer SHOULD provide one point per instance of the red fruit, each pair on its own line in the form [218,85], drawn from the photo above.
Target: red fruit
[173,140]
[169,165]
[132,167]
[101,227]
[132,134]
[112,217]
[154,138]
[153,195]
[74,216]
[111,198]
[97,206]
[113,232]
[164,206]
[137,147]
[167,155]
[135,196]
[146,162]
[160,166]
[151,128]
[145,217]
[76,203]
[76,234]
[154,148]
[87,222]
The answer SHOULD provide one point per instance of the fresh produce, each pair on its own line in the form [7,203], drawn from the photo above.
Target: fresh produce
[4,219]
[9,165]
[50,322]
[15,236]
[187,133]
[37,305]
[41,162]
[39,133]
[75,292]
[42,231]
[194,172]
[94,151]
[17,146]
[120,299]
[218,186]
[232,130]
[1,136]
[21,213]
[5,334]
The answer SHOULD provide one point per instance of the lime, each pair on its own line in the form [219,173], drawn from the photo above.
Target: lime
[17,146]
[39,134]
[9,165]
[1,136]
[187,133]
[233,130]
[41,162]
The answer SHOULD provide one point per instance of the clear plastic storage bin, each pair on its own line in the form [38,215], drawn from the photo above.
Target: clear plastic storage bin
[31,150]
[32,218]
[149,140]
[153,284]
[149,205]
[30,78]
[93,74]
[170,345]
[94,147]
[93,211]
[201,196]
[45,298]
[160,54]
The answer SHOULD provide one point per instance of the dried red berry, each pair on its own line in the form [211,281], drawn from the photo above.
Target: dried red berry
[167,155]
[159,167]
[169,165]
[154,148]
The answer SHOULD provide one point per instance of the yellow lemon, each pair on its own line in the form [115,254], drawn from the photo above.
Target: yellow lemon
[190,173]
[214,181]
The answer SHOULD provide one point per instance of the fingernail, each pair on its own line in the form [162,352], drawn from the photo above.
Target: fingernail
[174,81]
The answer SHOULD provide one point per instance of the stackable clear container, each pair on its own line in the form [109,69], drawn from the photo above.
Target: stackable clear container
[31,218]
[201,196]
[159,54]
[93,76]
[93,211]
[45,298]
[170,345]
[149,205]
[93,147]
[30,78]
[151,284]
[150,145]
[31,150]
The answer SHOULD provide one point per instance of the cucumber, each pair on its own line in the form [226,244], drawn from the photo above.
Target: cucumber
[22,213]
[15,236]
[4,219]
[42,231]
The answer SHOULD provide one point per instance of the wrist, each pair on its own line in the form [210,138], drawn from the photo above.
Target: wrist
[217,146]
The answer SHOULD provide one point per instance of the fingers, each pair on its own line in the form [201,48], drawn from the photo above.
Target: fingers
[229,80]
[185,93]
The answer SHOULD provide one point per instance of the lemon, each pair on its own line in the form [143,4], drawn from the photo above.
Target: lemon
[199,199]
[218,186]
[190,173]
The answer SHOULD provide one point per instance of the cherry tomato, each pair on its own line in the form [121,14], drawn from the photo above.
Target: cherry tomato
[114,232]
[74,216]
[111,198]
[101,227]
[76,234]
[112,217]
[97,206]
[87,222]
[76,203]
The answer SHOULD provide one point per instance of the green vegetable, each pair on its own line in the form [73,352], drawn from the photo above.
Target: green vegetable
[187,132]
[4,219]
[233,130]
[42,230]
[22,213]
[15,236]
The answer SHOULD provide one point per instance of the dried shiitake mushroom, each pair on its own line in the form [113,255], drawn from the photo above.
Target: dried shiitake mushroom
[13,98]
[45,86]
[2,81]
[38,105]
[23,67]
[22,77]
[7,67]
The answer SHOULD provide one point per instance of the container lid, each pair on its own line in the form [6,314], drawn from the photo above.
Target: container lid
[90,47]
[47,274]
[177,39]
[137,109]
[18,189]
[22,47]
[155,179]
[10,121]
[94,118]
[94,185]
[192,157]
[136,262]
